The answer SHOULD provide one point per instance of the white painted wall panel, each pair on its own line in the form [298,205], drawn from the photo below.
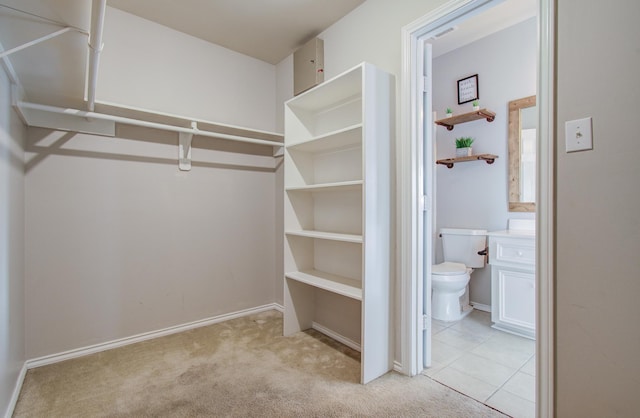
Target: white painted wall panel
[12,350]
[284,91]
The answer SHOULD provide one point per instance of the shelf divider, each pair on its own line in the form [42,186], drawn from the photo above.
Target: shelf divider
[331,236]
[337,186]
[335,140]
[330,282]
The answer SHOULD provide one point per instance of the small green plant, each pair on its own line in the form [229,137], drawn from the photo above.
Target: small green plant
[475,103]
[449,110]
[464,142]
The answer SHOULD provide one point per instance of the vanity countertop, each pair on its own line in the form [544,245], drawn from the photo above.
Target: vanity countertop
[513,233]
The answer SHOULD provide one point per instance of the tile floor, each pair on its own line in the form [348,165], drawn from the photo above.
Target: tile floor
[494,367]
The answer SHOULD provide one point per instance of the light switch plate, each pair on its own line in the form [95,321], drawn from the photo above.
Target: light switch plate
[578,135]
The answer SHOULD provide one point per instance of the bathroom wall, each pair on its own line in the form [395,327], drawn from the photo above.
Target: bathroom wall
[475,194]
[12,350]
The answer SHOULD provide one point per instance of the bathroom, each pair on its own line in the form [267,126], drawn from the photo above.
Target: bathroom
[475,195]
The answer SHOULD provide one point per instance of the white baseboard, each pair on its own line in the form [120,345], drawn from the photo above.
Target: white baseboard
[16,391]
[397,366]
[480,306]
[334,335]
[79,352]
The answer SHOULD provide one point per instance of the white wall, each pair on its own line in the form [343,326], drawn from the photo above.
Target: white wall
[151,66]
[475,194]
[119,242]
[597,224]
[371,32]
[12,351]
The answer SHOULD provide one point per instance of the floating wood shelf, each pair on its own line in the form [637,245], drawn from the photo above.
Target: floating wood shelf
[449,123]
[489,158]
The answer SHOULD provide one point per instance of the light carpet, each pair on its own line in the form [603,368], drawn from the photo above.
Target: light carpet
[239,368]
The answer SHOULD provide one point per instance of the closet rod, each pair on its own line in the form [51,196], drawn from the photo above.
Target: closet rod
[98,10]
[142,123]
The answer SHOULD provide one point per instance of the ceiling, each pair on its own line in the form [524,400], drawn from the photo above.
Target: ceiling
[54,71]
[505,14]
[269,30]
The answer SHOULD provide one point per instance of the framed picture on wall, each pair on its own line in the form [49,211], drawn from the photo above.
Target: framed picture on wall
[468,89]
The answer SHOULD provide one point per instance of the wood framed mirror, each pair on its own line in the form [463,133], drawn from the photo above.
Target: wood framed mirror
[523,120]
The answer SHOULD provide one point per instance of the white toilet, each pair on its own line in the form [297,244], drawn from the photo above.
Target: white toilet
[450,279]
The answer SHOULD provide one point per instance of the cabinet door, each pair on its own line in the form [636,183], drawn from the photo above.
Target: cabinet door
[516,299]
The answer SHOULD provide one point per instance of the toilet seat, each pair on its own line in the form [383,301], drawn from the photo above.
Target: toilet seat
[448,268]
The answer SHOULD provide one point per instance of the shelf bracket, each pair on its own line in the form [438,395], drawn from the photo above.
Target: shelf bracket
[184,151]
[41,39]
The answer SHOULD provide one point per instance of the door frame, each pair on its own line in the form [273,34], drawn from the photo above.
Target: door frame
[411,191]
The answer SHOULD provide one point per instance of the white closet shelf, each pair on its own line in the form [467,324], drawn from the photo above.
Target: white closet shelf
[331,236]
[329,187]
[330,282]
[107,115]
[131,112]
[348,137]
[341,88]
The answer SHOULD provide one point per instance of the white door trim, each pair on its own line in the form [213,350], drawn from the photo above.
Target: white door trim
[545,212]
[410,184]
[410,193]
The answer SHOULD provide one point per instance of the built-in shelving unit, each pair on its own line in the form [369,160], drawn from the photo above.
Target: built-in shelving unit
[337,213]
[449,162]
[449,123]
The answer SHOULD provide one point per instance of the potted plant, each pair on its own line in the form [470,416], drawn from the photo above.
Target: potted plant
[463,146]
[449,112]
[476,105]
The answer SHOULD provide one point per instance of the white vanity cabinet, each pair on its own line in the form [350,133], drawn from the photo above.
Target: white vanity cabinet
[513,281]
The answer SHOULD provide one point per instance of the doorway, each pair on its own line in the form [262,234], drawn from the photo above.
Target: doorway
[418,195]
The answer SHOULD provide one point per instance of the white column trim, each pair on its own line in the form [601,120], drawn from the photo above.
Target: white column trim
[409,193]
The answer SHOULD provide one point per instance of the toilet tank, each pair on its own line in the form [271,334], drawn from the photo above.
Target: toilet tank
[462,246]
